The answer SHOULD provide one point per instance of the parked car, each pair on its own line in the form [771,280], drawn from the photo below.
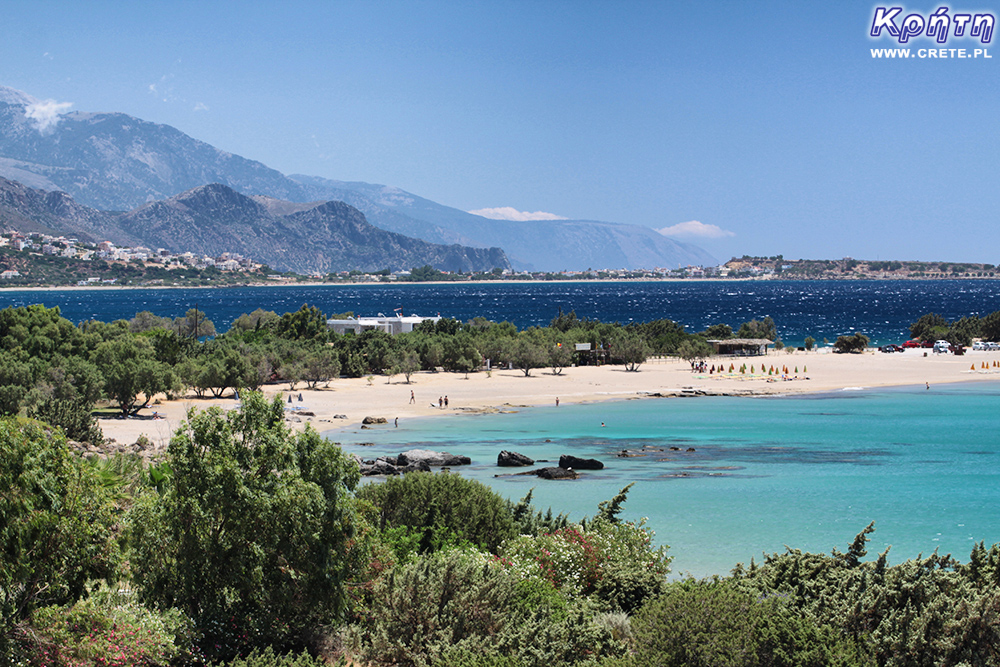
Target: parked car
[927,344]
[994,346]
[887,348]
[980,345]
[942,346]
[912,343]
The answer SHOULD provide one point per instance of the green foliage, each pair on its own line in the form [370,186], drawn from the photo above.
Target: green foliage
[443,506]
[758,329]
[56,524]
[249,536]
[630,349]
[714,624]
[718,332]
[929,327]
[445,608]
[130,368]
[529,522]
[307,323]
[111,628]
[526,354]
[810,342]
[851,344]
[693,349]
[268,658]
[924,611]
[615,562]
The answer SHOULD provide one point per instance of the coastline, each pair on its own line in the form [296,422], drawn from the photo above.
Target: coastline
[346,402]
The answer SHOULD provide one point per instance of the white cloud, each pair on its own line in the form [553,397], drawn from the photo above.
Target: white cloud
[695,229]
[200,106]
[46,114]
[510,213]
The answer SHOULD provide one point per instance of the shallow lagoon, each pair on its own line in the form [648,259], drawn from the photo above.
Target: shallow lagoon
[809,472]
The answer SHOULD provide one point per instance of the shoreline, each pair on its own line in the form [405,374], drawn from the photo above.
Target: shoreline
[346,402]
[69,288]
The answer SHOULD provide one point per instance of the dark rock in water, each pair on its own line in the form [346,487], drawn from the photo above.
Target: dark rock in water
[557,473]
[568,461]
[689,449]
[675,449]
[513,459]
[374,420]
[414,456]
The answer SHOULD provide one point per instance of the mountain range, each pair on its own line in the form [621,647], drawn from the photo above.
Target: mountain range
[115,162]
[212,219]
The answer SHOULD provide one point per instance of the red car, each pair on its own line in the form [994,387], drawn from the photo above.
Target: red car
[912,343]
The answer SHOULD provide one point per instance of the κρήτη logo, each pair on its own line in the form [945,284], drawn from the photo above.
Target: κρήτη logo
[939,25]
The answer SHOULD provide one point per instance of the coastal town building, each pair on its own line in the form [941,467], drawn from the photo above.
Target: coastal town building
[391,325]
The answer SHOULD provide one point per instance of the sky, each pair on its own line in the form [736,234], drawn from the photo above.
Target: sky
[758,128]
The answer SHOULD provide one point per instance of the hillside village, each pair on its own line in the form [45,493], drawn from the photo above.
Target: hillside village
[144,266]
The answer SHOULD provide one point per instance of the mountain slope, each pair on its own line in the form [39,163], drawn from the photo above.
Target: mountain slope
[213,219]
[548,245]
[113,161]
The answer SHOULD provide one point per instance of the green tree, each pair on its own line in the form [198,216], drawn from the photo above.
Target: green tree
[130,369]
[409,363]
[718,332]
[765,329]
[56,524]
[810,342]
[851,344]
[320,365]
[250,536]
[630,349]
[526,354]
[194,325]
[929,327]
[308,322]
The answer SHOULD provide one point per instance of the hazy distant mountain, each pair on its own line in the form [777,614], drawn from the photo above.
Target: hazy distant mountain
[113,161]
[213,219]
[548,245]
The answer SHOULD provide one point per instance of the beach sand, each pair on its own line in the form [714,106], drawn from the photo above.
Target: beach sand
[346,402]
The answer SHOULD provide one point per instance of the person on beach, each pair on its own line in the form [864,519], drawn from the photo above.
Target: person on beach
[445,401]
[413,399]
[440,402]
[557,401]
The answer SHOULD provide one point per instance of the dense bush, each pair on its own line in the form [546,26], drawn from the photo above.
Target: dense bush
[444,608]
[111,629]
[442,508]
[250,535]
[56,524]
[713,624]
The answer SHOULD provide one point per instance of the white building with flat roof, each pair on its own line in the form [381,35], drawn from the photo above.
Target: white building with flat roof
[391,325]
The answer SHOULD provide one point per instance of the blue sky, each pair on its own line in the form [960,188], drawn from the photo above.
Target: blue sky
[770,121]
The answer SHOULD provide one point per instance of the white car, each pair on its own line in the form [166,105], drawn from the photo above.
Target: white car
[980,345]
[942,346]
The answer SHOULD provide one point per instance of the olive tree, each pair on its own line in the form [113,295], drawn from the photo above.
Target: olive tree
[130,368]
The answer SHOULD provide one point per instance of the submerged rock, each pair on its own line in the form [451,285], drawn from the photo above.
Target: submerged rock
[513,459]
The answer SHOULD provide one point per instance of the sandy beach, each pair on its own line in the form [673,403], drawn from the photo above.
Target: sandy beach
[346,402]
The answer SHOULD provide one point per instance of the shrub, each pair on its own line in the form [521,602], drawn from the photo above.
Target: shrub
[110,628]
[713,624]
[455,609]
[56,524]
[250,535]
[444,507]
[268,658]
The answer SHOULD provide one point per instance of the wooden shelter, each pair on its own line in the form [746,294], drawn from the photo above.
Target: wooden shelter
[741,347]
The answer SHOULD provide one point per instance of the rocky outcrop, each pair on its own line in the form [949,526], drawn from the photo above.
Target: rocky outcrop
[388,466]
[556,473]
[513,460]
[374,420]
[435,459]
[569,461]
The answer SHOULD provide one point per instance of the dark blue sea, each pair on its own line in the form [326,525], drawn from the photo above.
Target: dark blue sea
[882,310]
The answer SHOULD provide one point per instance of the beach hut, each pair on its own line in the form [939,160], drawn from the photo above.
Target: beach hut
[742,347]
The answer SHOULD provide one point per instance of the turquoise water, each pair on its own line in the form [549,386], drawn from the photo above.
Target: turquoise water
[807,472]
